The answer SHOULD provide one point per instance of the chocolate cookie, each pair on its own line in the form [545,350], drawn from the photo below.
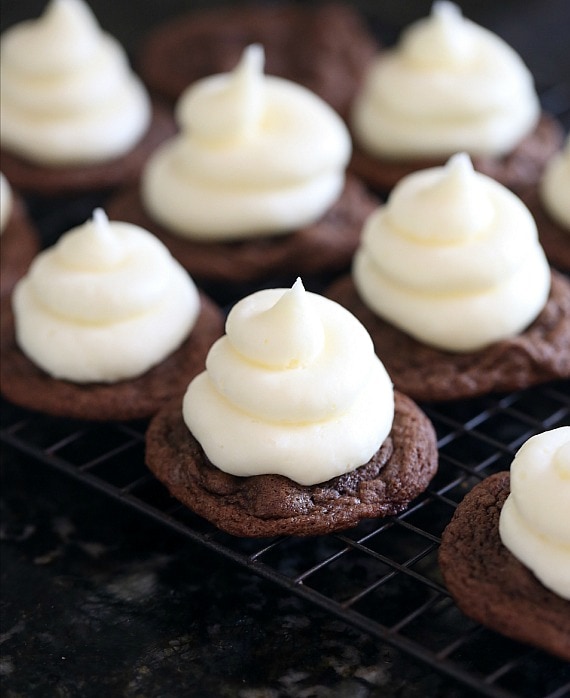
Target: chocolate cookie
[553,238]
[487,581]
[20,244]
[539,354]
[39,179]
[325,247]
[324,47]
[26,385]
[272,505]
[517,170]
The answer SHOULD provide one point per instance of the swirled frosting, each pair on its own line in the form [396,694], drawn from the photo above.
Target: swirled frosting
[5,202]
[555,187]
[448,86]
[453,259]
[105,303]
[68,95]
[293,388]
[256,155]
[535,519]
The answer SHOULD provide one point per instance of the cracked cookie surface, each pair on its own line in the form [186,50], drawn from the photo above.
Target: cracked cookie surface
[271,505]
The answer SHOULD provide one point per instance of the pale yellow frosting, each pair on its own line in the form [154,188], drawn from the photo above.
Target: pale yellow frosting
[555,187]
[105,303]
[535,520]
[5,202]
[293,388]
[449,85]
[68,95]
[256,155]
[453,259]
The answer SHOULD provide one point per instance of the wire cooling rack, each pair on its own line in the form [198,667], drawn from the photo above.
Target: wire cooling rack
[381,577]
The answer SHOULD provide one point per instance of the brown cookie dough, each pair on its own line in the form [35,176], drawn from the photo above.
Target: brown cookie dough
[56,181]
[487,581]
[19,244]
[272,505]
[553,238]
[518,170]
[25,385]
[325,47]
[539,354]
[325,247]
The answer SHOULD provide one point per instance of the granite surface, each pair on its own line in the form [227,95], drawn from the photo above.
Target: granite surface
[98,602]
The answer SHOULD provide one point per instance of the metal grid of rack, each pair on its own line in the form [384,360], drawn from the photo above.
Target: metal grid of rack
[381,577]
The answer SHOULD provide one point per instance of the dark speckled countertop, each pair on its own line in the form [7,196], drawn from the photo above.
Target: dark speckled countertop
[100,601]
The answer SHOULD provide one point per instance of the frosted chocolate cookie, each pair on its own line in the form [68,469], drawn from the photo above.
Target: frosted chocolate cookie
[450,86]
[549,203]
[254,185]
[19,242]
[294,427]
[74,117]
[105,325]
[453,286]
[507,565]
[325,47]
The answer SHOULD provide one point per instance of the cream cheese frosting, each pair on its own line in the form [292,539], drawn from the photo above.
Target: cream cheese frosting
[68,95]
[453,259]
[105,303]
[5,202]
[293,388]
[256,155]
[449,85]
[555,187]
[535,519]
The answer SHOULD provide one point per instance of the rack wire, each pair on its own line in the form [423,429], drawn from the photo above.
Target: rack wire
[381,577]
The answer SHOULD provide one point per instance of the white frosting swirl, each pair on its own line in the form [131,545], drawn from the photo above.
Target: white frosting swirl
[5,202]
[535,520]
[256,155]
[453,259]
[555,187]
[293,388]
[68,95]
[105,303]
[449,85]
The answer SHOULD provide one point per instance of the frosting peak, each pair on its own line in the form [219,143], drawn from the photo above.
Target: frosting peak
[535,520]
[68,96]
[444,205]
[228,109]
[453,259]
[448,85]
[439,40]
[309,412]
[256,155]
[95,247]
[288,334]
[69,25]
